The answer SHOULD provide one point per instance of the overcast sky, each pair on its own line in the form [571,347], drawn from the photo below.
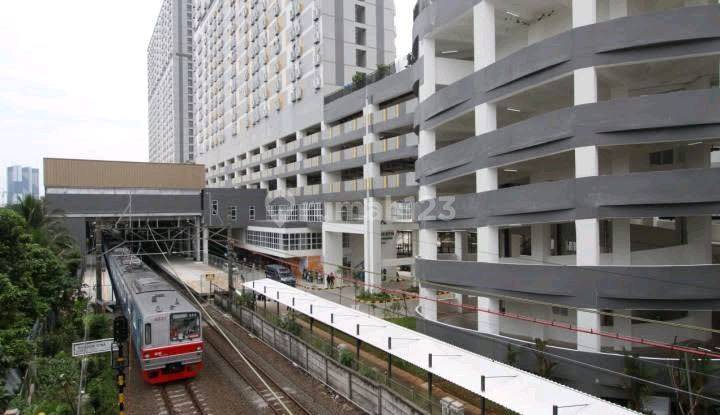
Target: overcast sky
[73,78]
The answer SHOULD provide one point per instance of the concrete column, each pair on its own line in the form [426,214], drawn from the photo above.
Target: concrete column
[487,238]
[428,302]
[621,244]
[332,251]
[206,242]
[540,241]
[699,238]
[584,12]
[427,52]
[372,243]
[301,180]
[487,251]
[617,9]
[198,239]
[460,245]
[281,183]
[483,34]
[587,231]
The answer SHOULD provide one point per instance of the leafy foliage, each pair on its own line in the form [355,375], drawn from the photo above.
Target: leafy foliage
[545,367]
[38,261]
[637,391]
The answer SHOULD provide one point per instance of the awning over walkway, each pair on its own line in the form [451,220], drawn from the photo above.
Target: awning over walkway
[517,390]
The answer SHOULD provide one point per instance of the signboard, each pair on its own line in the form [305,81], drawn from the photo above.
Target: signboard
[210,277]
[92,347]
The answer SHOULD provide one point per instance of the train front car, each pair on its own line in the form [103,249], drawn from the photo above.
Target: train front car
[166,328]
[168,334]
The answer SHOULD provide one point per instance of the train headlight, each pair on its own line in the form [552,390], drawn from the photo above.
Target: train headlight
[147,355]
[198,348]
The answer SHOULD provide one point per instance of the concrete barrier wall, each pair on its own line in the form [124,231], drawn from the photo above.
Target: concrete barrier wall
[372,397]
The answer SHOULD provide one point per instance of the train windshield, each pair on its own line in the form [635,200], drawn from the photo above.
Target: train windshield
[184,326]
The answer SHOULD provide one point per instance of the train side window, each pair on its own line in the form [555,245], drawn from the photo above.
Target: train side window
[148,334]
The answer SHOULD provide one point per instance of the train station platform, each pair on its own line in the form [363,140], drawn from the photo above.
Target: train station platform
[200,277]
[89,285]
[512,388]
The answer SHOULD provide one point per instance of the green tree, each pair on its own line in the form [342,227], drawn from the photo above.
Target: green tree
[46,228]
[637,391]
[545,366]
[33,281]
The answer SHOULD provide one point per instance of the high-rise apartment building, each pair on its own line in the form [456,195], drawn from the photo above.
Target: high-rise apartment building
[264,70]
[170,85]
[21,182]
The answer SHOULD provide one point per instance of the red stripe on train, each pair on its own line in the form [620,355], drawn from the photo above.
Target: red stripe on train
[172,350]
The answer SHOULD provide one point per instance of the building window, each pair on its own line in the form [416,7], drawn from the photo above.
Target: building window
[472,243]
[607,320]
[345,240]
[359,14]
[360,36]
[404,244]
[214,210]
[233,213]
[251,213]
[560,311]
[446,242]
[664,157]
[285,242]
[360,58]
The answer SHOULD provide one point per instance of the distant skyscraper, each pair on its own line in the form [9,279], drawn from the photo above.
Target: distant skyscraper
[22,181]
[170,91]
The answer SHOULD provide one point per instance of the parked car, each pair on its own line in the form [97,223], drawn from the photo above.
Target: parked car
[280,273]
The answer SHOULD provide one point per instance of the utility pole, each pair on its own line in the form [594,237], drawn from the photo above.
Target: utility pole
[98,265]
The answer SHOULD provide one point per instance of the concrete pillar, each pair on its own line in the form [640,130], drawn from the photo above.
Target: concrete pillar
[372,243]
[301,180]
[281,183]
[198,240]
[428,302]
[617,9]
[540,241]
[332,251]
[483,34]
[699,238]
[427,52]
[206,242]
[487,251]
[621,244]
[487,238]
[584,12]
[460,245]
[587,231]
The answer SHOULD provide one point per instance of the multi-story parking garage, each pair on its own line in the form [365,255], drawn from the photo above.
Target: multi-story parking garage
[566,165]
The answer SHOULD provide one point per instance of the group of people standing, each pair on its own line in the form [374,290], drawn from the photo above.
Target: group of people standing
[318,277]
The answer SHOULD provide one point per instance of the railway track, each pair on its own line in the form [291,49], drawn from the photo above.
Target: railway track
[278,401]
[182,398]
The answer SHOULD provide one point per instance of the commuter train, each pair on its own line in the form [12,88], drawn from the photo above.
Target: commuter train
[166,332]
